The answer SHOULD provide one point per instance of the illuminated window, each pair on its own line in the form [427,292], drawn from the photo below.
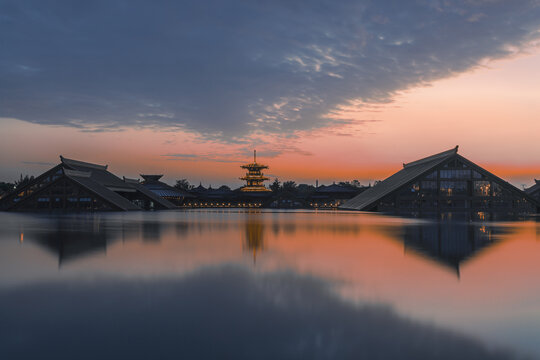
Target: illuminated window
[497,189]
[451,188]
[482,188]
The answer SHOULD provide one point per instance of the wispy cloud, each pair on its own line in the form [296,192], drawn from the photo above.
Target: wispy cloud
[227,69]
[40,163]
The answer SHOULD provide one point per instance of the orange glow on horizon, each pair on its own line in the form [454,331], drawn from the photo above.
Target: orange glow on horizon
[491,113]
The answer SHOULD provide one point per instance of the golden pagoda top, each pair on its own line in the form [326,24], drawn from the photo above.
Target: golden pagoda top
[254,164]
[254,178]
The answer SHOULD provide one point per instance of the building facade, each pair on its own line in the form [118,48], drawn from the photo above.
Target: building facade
[445,185]
[534,190]
[75,185]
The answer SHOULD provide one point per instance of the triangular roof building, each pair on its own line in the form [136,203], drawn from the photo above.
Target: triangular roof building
[441,185]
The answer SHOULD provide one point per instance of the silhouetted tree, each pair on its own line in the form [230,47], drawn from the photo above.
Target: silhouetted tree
[23,181]
[6,187]
[183,184]
[224,188]
[275,186]
[305,189]
[289,186]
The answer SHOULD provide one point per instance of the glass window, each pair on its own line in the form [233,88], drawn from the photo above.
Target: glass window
[451,188]
[480,203]
[414,188]
[429,186]
[433,175]
[455,204]
[455,174]
[429,203]
[482,188]
[497,189]
[476,175]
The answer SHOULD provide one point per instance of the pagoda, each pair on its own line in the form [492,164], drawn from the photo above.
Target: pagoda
[254,177]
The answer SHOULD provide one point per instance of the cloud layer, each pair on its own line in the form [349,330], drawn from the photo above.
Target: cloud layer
[228,68]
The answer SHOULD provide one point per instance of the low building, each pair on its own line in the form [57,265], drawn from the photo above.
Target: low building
[172,194]
[332,196]
[445,185]
[224,197]
[80,186]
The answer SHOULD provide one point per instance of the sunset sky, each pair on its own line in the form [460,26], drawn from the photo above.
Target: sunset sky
[322,90]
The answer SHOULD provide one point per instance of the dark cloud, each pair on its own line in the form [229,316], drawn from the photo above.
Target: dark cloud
[222,313]
[227,68]
[40,163]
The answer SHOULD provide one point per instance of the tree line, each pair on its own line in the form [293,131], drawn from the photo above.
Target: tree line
[276,186]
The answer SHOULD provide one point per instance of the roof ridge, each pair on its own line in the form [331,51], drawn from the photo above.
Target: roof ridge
[82,163]
[69,172]
[132,181]
[432,157]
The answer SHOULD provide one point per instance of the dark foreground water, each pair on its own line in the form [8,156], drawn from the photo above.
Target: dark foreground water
[266,285]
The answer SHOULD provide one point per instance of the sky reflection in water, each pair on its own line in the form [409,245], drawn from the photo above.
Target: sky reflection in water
[266,284]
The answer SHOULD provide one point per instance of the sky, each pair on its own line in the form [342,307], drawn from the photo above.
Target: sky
[322,89]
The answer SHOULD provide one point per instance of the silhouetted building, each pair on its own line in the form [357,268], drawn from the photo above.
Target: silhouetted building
[224,197]
[534,190]
[445,185]
[174,195]
[331,196]
[80,186]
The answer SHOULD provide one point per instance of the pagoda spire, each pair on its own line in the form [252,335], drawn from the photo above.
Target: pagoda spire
[254,177]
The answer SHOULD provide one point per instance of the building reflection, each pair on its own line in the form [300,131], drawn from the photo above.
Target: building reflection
[254,236]
[450,243]
[69,242]
[72,239]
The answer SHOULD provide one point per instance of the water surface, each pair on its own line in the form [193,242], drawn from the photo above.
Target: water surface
[266,284]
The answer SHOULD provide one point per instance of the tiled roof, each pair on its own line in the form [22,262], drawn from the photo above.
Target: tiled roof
[108,195]
[409,172]
[154,197]
[99,173]
[533,189]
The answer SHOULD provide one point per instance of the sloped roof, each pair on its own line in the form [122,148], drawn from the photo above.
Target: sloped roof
[85,180]
[533,189]
[151,195]
[199,188]
[409,172]
[151,177]
[98,173]
[152,183]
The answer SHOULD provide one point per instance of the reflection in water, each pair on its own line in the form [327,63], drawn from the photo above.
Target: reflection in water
[450,243]
[360,255]
[71,240]
[214,314]
[254,235]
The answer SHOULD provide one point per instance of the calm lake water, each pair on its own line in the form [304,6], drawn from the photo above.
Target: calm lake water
[266,284]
